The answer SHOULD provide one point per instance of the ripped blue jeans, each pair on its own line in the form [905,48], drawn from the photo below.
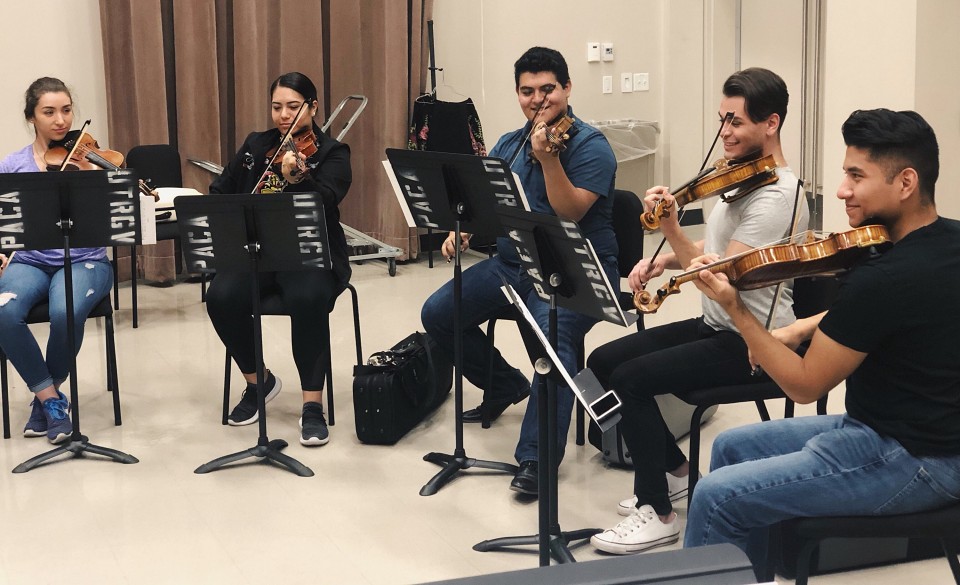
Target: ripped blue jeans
[21,287]
[811,466]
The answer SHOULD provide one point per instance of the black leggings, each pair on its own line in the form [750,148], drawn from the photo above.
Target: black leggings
[670,359]
[308,296]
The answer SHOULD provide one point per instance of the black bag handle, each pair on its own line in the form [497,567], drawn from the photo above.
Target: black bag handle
[409,381]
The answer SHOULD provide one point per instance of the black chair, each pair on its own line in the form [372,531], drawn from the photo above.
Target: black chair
[627,208]
[808,533]
[41,314]
[159,166]
[272,304]
[811,295]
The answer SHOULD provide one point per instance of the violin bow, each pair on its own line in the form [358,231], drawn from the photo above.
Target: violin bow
[286,136]
[533,126]
[76,143]
[778,292]
[726,118]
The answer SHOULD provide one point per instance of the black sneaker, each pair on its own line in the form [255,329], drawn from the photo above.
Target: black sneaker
[245,412]
[313,427]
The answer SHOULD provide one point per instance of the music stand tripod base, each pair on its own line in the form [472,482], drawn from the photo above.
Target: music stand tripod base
[269,453]
[455,463]
[76,447]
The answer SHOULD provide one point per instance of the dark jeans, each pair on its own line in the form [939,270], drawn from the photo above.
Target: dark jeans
[308,296]
[670,359]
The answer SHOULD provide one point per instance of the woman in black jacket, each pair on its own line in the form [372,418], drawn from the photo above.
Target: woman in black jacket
[309,295]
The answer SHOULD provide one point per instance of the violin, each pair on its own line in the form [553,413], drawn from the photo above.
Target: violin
[557,133]
[725,175]
[768,265]
[303,146]
[79,151]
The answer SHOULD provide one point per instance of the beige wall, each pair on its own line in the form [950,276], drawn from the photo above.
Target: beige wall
[55,38]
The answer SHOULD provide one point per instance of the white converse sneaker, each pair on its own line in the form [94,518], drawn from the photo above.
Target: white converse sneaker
[638,532]
[676,487]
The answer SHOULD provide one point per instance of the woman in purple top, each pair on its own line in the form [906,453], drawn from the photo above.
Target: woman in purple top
[28,278]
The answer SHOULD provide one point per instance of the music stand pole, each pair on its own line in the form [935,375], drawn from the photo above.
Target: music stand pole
[551,540]
[78,443]
[265,448]
[458,461]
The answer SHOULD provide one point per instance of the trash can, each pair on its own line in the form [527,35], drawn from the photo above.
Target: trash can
[633,142]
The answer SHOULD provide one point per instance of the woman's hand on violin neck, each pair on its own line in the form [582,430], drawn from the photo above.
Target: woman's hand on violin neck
[654,194]
[291,168]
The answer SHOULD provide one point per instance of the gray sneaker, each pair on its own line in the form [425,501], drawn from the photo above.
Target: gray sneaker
[57,413]
[37,423]
[313,427]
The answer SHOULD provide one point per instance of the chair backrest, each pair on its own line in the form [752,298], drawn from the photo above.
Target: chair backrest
[627,208]
[158,164]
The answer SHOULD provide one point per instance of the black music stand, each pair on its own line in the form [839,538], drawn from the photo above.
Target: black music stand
[457,192]
[259,233]
[41,211]
[564,269]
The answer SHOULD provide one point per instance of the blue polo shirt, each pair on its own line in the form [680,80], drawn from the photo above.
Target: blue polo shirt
[589,164]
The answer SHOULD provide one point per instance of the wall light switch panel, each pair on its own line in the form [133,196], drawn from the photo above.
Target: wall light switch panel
[607,84]
[593,52]
[606,51]
[626,82]
[641,82]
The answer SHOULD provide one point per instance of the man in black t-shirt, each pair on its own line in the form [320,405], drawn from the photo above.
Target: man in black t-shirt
[891,335]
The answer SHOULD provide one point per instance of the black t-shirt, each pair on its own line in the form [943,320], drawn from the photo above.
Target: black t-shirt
[903,310]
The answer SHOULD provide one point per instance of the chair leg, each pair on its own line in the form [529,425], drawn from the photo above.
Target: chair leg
[762,409]
[203,287]
[4,397]
[491,329]
[696,420]
[788,407]
[804,558]
[581,423]
[356,322]
[950,550]
[116,281]
[113,379]
[330,415]
[133,284]
[822,409]
[226,389]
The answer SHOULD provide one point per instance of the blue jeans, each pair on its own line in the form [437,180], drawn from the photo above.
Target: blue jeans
[483,299]
[32,285]
[809,467]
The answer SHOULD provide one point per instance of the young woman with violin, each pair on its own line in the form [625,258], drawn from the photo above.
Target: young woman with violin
[567,169]
[308,161]
[704,352]
[28,278]
[890,335]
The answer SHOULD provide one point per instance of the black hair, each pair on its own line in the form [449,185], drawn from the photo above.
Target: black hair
[764,93]
[538,59]
[299,83]
[895,141]
[36,90]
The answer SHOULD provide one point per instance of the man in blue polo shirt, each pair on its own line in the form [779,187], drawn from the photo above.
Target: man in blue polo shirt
[575,184]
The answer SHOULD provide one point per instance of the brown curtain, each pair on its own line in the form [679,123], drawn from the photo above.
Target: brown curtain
[195,74]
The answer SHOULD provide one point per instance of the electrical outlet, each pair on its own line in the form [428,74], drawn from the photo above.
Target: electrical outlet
[626,82]
[641,82]
[607,84]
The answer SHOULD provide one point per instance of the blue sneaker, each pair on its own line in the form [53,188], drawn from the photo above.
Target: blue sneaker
[37,423]
[57,413]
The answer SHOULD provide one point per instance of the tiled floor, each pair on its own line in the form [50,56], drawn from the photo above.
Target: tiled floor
[359,520]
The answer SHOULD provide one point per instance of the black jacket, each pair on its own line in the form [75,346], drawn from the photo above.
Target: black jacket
[329,175]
